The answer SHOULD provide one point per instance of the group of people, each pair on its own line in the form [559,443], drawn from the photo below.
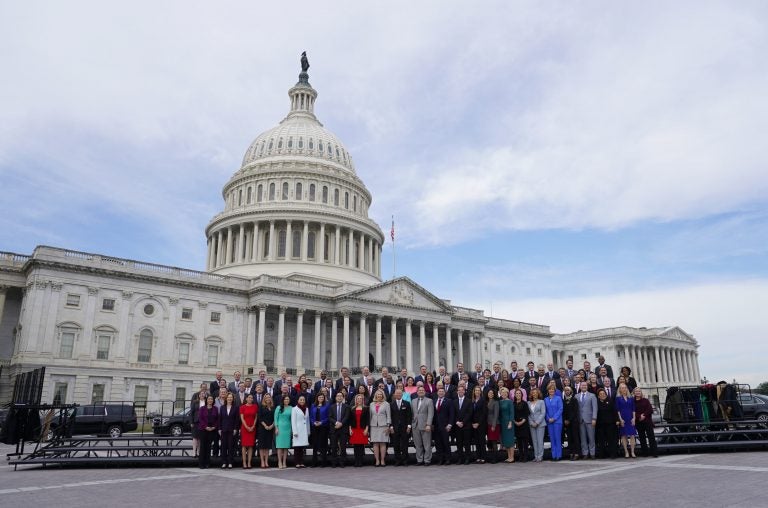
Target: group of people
[486,415]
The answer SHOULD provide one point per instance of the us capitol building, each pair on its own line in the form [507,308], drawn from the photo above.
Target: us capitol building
[292,282]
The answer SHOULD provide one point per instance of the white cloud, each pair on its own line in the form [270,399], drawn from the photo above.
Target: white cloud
[726,318]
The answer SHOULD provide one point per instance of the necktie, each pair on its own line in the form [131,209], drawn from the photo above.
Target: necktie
[338,412]
[439,403]
[608,392]
[418,404]
[582,396]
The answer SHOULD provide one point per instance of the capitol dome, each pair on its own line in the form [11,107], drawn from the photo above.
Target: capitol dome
[296,207]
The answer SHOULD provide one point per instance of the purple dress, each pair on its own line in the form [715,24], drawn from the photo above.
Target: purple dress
[626,409]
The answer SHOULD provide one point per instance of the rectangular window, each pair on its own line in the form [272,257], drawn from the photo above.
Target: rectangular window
[527,350]
[498,348]
[67,345]
[583,356]
[513,349]
[73,300]
[108,304]
[183,353]
[215,317]
[213,355]
[145,347]
[186,313]
[538,351]
[60,393]
[140,395]
[97,394]
[102,348]
[597,355]
[181,398]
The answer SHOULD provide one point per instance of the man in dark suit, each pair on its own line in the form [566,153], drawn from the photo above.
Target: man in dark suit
[530,372]
[321,382]
[340,381]
[215,385]
[496,375]
[338,418]
[384,376]
[610,388]
[444,420]
[422,376]
[285,391]
[402,416]
[600,364]
[262,379]
[240,394]
[473,376]
[269,388]
[456,376]
[258,395]
[550,375]
[462,410]
[569,369]
[233,385]
[283,380]
[450,390]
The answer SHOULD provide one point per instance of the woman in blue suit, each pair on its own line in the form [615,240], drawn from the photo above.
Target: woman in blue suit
[554,406]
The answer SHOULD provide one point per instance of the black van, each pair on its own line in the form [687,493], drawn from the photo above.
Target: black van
[100,419]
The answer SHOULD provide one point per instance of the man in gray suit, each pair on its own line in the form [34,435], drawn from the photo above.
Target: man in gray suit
[588,414]
[423,413]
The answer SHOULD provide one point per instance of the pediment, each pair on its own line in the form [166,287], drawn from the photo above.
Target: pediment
[403,292]
[675,332]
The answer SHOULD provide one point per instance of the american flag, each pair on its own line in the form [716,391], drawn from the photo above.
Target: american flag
[392,231]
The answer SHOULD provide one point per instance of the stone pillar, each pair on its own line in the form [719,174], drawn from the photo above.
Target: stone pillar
[280,356]
[228,253]
[435,349]
[632,365]
[304,240]
[688,369]
[345,340]
[316,348]
[250,338]
[448,351]
[423,344]
[255,248]
[361,252]
[641,363]
[667,365]
[474,344]
[696,366]
[335,342]
[363,339]
[659,374]
[672,365]
[393,343]
[408,345]
[370,255]
[336,239]
[241,243]
[299,361]
[321,257]
[379,358]
[460,342]
[351,251]
[288,240]
[260,339]
[271,253]
[220,249]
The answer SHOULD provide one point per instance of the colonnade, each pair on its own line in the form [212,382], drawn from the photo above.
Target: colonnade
[273,240]
[423,342]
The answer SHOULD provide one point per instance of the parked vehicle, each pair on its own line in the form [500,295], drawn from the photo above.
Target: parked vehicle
[108,420]
[175,425]
[755,407]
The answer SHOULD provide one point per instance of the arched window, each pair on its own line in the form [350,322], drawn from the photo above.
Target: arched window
[299,191]
[311,144]
[272,191]
[281,244]
[346,200]
[336,197]
[145,346]
[296,244]
[320,146]
[325,194]
[280,143]
[250,195]
[240,197]
[261,150]
[301,142]
[337,153]
[290,142]
[271,144]
[285,190]
[311,192]
[311,245]
[259,192]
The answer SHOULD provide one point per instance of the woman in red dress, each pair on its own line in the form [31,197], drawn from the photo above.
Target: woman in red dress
[358,428]
[248,412]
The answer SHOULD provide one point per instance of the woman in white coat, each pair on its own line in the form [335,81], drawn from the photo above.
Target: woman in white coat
[300,430]
[536,423]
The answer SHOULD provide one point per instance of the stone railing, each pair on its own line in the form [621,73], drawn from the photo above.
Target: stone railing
[296,285]
[466,311]
[604,332]
[518,325]
[13,259]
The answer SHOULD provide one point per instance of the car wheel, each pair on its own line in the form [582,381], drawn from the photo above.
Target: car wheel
[762,417]
[176,430]
[115,431]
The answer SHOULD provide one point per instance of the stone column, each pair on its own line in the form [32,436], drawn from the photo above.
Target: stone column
[345,340]
[260,340]
[435,349]
[696,366]
[460,342]
[679,360]
[228,253]
[250,338]
[321,258]
[255,249]
[673,365]
[641,363]
[288,240]
[379,358]
[363,339]
[299,340]
[474,344]
[271,254]
[393,343]
[336,239]
[448,351]
[667,365]
[351,251]
[408,345]
[304,240]
[361,252]
[241,243]
[335,342]
[659,373]
[423,344]
[688,369]
[280,356]
[220,249]
[370,255]
[635,370]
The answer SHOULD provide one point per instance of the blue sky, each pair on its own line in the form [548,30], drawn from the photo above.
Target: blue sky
[581,167]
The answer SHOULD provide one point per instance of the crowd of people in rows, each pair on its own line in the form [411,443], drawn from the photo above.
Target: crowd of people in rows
[486,415]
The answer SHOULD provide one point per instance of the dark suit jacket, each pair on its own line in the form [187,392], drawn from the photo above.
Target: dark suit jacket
[455,378]
[419,378]
[332,417]
[231,421]
[402,418]
[608,368]
[556,377]
[463,413]
[214,389]
[365,418]
[318,384]
[340,383]
[480,413]
[450,392]
[528,374]
[445,416]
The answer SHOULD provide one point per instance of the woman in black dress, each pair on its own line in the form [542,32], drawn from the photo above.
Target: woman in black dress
[266,429]
[606,433]
[571,421]
[522,430]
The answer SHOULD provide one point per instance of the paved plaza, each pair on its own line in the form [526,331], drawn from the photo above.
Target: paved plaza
[703,480]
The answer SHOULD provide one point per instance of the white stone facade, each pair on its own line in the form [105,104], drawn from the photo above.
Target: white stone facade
[292,281]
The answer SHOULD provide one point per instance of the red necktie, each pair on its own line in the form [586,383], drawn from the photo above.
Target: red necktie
[439,403]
